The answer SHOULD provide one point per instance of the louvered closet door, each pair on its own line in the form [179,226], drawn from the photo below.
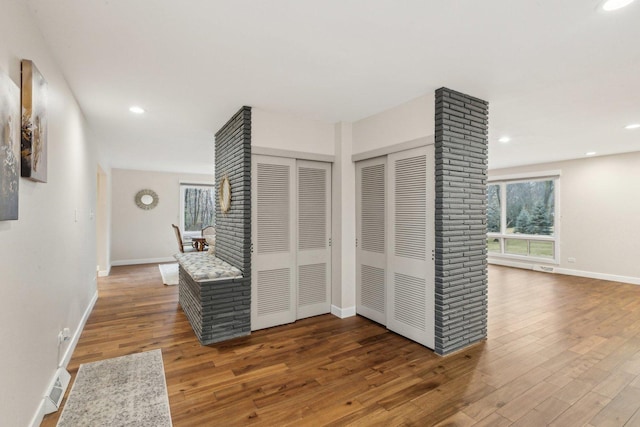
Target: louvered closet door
[370,234]
[410,274]
[314,232]
[273,235]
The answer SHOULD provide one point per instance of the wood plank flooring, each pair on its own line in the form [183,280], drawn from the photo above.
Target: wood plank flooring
[561,351]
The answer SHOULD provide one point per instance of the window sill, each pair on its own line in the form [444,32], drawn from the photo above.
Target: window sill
[491,256]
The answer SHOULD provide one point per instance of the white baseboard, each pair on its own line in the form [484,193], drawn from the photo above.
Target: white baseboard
[343,312]
[568,271]
[600,276]
[76,336]
[104,273]
[39,415]
[40,412]
[142,261]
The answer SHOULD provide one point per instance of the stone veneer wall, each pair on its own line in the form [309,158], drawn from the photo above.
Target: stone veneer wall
[233,158]
[217,310]
[461,257]
[221,310]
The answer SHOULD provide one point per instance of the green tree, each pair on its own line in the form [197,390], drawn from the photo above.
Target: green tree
[523,223]
[493,209]
[525,195]
[540,222]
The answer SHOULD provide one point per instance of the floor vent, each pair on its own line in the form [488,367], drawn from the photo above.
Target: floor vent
[543,268]
[56,391]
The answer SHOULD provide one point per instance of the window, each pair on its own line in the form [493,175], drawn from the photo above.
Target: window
[521,218]
[197,208]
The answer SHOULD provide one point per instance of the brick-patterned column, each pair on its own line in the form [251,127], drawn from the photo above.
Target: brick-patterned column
[461,226]
[233,234]
[233,159]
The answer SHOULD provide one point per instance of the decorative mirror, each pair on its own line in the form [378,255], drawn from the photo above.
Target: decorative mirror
[224,195]
[146,199]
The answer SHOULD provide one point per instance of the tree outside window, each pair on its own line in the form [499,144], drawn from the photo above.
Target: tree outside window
[521,218]
[493,209]
[198,208]
[530,208]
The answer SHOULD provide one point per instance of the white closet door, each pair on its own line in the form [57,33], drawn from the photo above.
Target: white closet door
[273,235]
[411,240]
[370,239]
[314,232]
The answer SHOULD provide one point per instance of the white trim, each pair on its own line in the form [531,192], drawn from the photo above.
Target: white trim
[183,188]
[76,336]
[39,415]
[104,273]
[395,148]
[142,261]
[343,312]
[525,258]
[600,276]
[566,271]
[291,154]
[529,176]
[539,237]
[510,263]
[40,411]
[502,182]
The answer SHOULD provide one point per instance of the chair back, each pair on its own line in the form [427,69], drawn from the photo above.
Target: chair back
[178,237]
[209,231]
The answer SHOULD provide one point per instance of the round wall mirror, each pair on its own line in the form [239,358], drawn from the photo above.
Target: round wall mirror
[146,199]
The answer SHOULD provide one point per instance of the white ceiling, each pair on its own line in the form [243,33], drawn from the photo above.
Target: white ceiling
[562,77]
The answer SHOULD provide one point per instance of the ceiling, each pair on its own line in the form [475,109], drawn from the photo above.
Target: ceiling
[562,77]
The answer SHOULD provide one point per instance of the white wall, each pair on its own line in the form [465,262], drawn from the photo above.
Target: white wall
[406,122]
[286,132]
[103,222]
[396,126]
[142,236]
[599,213]
[47,257]
[343,294]
[401,124]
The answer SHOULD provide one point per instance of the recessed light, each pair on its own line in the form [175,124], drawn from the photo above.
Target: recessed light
[136,110]
[633,126]
[590,153]
[610,5]
[504,139]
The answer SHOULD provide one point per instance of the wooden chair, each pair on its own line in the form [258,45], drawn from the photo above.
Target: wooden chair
[181,244]
[208,231]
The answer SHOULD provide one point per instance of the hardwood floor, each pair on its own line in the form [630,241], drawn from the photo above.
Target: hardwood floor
[561,351]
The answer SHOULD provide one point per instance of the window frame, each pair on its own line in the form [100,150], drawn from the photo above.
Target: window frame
[502,181]
[188,235]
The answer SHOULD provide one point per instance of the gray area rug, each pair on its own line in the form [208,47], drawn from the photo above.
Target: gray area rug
[123,391]
[169,273]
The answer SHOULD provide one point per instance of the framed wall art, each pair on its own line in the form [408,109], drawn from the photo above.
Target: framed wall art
[9,148]
[33,143]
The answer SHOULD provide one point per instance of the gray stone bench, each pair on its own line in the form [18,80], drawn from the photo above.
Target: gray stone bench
[214,296]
